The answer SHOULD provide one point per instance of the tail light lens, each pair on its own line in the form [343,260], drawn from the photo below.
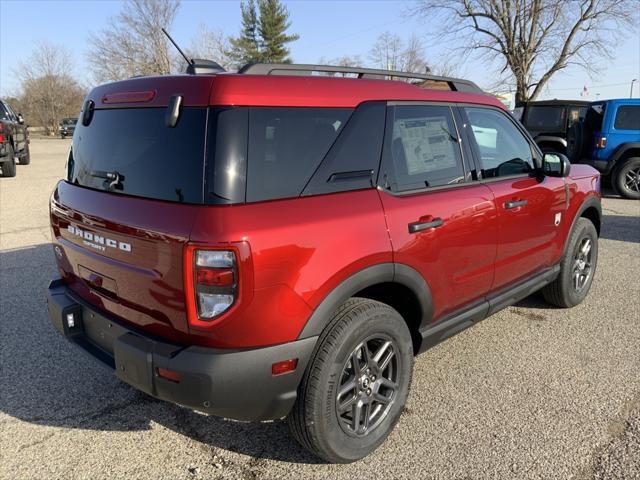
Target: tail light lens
[211,283]
[1,133]
[601,142]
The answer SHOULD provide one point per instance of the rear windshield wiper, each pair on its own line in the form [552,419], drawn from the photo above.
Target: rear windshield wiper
[112,180]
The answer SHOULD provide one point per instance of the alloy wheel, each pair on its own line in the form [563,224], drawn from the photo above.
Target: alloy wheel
[368,385]
[582,264]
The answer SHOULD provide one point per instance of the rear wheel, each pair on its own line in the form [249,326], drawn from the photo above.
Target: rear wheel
[626,178]
[577,267]
[9,166]
[356,384]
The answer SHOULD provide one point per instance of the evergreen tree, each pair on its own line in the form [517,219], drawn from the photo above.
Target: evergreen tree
[272,27]
[246,47]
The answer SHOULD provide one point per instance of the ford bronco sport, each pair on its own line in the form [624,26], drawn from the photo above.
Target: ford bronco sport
[270,244]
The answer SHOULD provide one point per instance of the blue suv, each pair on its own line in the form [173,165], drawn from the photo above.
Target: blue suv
[609,140]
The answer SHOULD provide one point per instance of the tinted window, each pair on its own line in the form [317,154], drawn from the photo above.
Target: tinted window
[227,155]
[503,149]
[140,155]
[545,118]
[628,118]
[286,145]
[352,163]
[422,148]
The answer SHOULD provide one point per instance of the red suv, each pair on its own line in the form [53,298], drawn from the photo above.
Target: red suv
[275,244]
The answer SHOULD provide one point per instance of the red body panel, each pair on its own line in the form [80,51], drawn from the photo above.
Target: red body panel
[301,249]
[456,259]
[528,235]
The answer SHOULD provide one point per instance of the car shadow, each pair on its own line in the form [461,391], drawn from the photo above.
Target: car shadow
[624,228]
[48,381]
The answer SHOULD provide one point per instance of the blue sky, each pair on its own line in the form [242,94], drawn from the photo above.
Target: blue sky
[327,29]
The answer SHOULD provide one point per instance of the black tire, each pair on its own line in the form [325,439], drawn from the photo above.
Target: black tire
[26,158]
[9,166]
[315,420]
[574,281]
[626,178]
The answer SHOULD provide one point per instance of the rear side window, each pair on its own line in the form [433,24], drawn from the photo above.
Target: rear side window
[286,145]
[131,151]
[352,162]
[628,118]
[422,148]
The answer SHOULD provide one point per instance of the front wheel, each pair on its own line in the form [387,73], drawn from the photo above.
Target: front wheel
[26,156]
[577,267]
[356,384]
[626,178]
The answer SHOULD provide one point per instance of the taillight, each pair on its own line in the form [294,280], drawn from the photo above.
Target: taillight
[1,132]
[601,142]
[211,283]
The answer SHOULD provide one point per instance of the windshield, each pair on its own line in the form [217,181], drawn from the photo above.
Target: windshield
[545,118]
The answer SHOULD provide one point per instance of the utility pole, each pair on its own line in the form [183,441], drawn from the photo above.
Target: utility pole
[631,90]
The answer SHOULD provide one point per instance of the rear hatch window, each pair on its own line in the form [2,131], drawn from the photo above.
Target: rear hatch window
[131,151]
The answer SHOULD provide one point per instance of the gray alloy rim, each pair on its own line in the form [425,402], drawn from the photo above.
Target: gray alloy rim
[368,385]
[582,268]
[632,180]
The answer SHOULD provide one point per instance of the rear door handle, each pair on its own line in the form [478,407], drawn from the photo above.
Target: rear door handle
[515,204]
[421,226]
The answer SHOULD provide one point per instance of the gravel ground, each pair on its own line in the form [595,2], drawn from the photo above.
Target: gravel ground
[532,392]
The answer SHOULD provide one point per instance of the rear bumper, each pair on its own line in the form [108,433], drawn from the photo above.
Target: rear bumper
[235,384]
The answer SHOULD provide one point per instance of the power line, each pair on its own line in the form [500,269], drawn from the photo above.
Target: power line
[593,86]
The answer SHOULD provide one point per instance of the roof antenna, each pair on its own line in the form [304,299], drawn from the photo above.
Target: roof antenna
[190,62]
[197,66]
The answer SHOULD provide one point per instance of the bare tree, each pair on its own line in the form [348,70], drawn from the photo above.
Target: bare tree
[534,39]
[133,43]
[209,44]
[389,52]
[49,91]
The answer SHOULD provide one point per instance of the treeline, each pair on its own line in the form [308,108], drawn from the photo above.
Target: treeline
[525,42]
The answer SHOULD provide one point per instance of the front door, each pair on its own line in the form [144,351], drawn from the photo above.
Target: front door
[530,206]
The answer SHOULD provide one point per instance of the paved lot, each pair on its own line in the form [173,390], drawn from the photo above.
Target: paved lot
[532,392]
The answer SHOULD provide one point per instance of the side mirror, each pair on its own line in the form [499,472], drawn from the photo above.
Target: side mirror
[556,165]
[20,119]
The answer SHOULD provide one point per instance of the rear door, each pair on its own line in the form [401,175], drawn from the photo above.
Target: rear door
[530,207]
[442,223]
[126,209]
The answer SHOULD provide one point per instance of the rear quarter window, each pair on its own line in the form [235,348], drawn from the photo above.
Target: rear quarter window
[286,145]
[627,118]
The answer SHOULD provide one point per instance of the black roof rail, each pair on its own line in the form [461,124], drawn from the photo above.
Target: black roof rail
[455,84]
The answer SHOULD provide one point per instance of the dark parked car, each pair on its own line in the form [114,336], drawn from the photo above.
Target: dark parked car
[67,127]
[549,121]
[609,140]
[14,140]
[259,245]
